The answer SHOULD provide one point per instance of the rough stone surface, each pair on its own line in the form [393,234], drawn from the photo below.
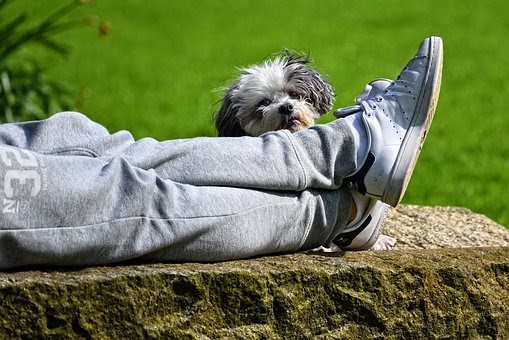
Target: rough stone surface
[418,227]
[405,293]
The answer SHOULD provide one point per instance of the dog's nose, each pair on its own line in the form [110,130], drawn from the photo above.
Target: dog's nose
[286,109]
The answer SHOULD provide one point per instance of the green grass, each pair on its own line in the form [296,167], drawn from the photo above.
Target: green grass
[158,72]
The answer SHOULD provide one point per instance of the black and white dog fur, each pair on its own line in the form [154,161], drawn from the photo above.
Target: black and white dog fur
[282,93]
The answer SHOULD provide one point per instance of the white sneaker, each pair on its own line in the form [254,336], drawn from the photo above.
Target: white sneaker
[397,120]
[363,232]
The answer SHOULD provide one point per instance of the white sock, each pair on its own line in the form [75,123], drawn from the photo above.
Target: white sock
[359,134]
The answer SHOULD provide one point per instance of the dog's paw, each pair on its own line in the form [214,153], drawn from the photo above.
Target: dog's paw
[384,242]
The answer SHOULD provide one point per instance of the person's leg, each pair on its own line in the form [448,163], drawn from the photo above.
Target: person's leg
[319,157]
[99,184]
[76,210]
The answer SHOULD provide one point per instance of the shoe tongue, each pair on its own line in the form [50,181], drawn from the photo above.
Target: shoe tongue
[364,94]
[373,89]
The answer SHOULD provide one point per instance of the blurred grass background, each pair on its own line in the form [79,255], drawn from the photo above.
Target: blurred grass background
[160,71]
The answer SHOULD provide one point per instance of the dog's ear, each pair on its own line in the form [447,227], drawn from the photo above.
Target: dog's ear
[321,93]
[318,90]
[227,124]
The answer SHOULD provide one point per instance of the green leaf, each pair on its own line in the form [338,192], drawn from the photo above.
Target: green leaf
[9,28]
[54,46]
[25,91]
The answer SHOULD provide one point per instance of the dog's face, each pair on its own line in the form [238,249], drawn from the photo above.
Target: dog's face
[283,93]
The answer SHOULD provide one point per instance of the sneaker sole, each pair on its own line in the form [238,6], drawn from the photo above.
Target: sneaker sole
[416,135]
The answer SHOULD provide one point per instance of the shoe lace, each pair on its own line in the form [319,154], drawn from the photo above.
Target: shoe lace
[368,93]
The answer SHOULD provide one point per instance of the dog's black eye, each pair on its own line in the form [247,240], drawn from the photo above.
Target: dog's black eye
[294,95]
[265,102]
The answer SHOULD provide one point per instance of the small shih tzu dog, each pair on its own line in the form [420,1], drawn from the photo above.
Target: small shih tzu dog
[282,93]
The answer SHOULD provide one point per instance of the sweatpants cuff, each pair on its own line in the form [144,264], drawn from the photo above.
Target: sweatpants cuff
[322,233]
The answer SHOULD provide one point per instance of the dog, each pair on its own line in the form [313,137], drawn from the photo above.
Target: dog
[281,93]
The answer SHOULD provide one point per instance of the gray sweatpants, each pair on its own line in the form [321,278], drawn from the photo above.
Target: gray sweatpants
[74,194]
